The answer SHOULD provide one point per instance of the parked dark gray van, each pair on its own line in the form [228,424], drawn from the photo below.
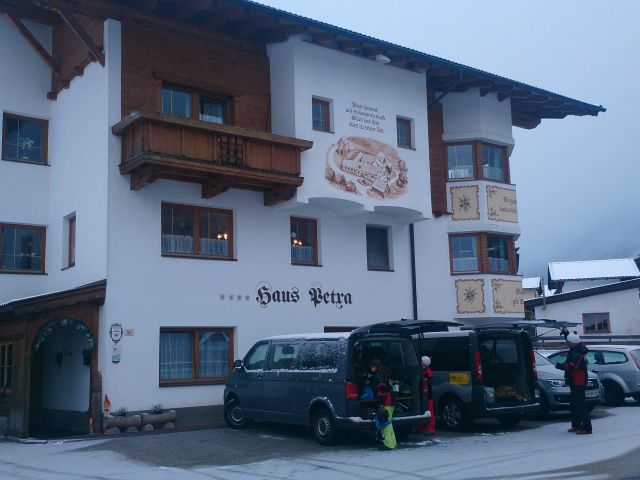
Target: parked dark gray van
[485,372]
[317,380]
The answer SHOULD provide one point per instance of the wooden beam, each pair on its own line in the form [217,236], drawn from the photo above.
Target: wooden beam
[33,41]
[84,37]
[213,187]
[142,177]
[278,195]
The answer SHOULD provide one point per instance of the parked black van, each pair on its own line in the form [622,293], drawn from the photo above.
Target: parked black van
[485,372]
[318,380]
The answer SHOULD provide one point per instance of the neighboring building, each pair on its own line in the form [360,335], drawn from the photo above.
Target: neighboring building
[182,178]
[571,276]
[531,287]
[606,309]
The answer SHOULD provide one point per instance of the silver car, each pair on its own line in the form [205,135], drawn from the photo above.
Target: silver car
[554,394]
[617,366]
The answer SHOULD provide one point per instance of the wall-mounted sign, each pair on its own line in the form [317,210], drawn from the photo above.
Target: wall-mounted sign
[267,294]
[128,332]
[507,296]
[116,331]
[464,203]
[502,205]
[115,354]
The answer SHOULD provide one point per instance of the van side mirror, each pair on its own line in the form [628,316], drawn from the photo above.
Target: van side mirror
[237,365]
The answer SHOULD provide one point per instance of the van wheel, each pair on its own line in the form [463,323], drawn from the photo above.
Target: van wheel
[324,427]
[509,420]
[452,414]
[234,416]
[613,394]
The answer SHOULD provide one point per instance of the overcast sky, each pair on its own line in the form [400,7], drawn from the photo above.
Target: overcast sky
[578,179]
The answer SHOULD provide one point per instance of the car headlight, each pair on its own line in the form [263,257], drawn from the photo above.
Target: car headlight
[556,383]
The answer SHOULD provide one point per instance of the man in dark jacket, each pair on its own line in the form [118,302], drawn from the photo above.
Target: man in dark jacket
[575,375]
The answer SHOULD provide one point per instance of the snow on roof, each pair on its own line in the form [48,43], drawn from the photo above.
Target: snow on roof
[547,292]
[593,269]
[310,336]
[531,282]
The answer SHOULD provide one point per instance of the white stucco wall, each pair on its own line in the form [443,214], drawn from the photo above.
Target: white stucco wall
[573,285]
[468,116]
[623,308]
[301,71]
[24,82]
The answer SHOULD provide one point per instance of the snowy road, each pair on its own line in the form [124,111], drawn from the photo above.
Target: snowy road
[535,451]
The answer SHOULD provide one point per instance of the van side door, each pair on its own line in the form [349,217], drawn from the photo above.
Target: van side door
[317,376]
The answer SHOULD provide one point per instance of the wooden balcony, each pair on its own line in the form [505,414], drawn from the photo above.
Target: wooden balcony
[216,156]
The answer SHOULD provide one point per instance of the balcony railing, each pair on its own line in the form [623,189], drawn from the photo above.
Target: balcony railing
[219,157]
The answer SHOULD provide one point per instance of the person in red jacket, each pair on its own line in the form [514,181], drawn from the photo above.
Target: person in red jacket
[429,427]
[575,375]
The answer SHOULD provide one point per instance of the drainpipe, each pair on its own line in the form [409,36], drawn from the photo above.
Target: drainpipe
[413,271]
[446,92]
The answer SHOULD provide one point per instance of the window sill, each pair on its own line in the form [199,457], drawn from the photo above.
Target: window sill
[323,131]
[192,382]
[18,160]
[198,257]
[469,272]
[407,147]
[297,264]
[371,269]
[67,267]
[22,272]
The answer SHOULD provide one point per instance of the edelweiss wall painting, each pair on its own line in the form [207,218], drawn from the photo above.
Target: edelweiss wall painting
[363,166]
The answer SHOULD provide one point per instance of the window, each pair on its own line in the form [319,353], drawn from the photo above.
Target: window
[21,248]
[492,162]
[256,359]
[447,353]
[24,139]
[176,102]
[498,254]
[195,355]
[482,253]
[304,241]
[213,110]
[464,253]
[282,356]
[71,241]
[191,103]
[464,163]
[460,161]
[318,355]
[596,322]
[404,128]
[6,366]
[321,114]
[197,231]
[378,248]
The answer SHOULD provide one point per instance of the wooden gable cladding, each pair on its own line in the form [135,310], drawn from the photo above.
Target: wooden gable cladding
[215,64]
[216,156]
[71,53]
[437,159]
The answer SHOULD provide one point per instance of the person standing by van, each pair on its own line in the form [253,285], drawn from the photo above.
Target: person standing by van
[429,427]
[384,394]
[575,374]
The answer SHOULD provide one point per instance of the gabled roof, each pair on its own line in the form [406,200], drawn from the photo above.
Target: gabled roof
[593,269]
[259,23]
[587,292]
[531,282]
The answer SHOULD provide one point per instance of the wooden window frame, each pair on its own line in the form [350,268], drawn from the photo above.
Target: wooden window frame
[71,241]
[327,116]
[43,246]
[45,139]
[409,123]
[196,94]
[196,380]
[196,231]
[314,222]
[388,266]
[476,236]
[584,329]
[478,161]
[5,365]
[483,253]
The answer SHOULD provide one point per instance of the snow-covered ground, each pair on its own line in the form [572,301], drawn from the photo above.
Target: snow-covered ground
[546,451]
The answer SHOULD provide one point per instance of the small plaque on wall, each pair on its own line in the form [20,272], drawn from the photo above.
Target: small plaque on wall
[115,354]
